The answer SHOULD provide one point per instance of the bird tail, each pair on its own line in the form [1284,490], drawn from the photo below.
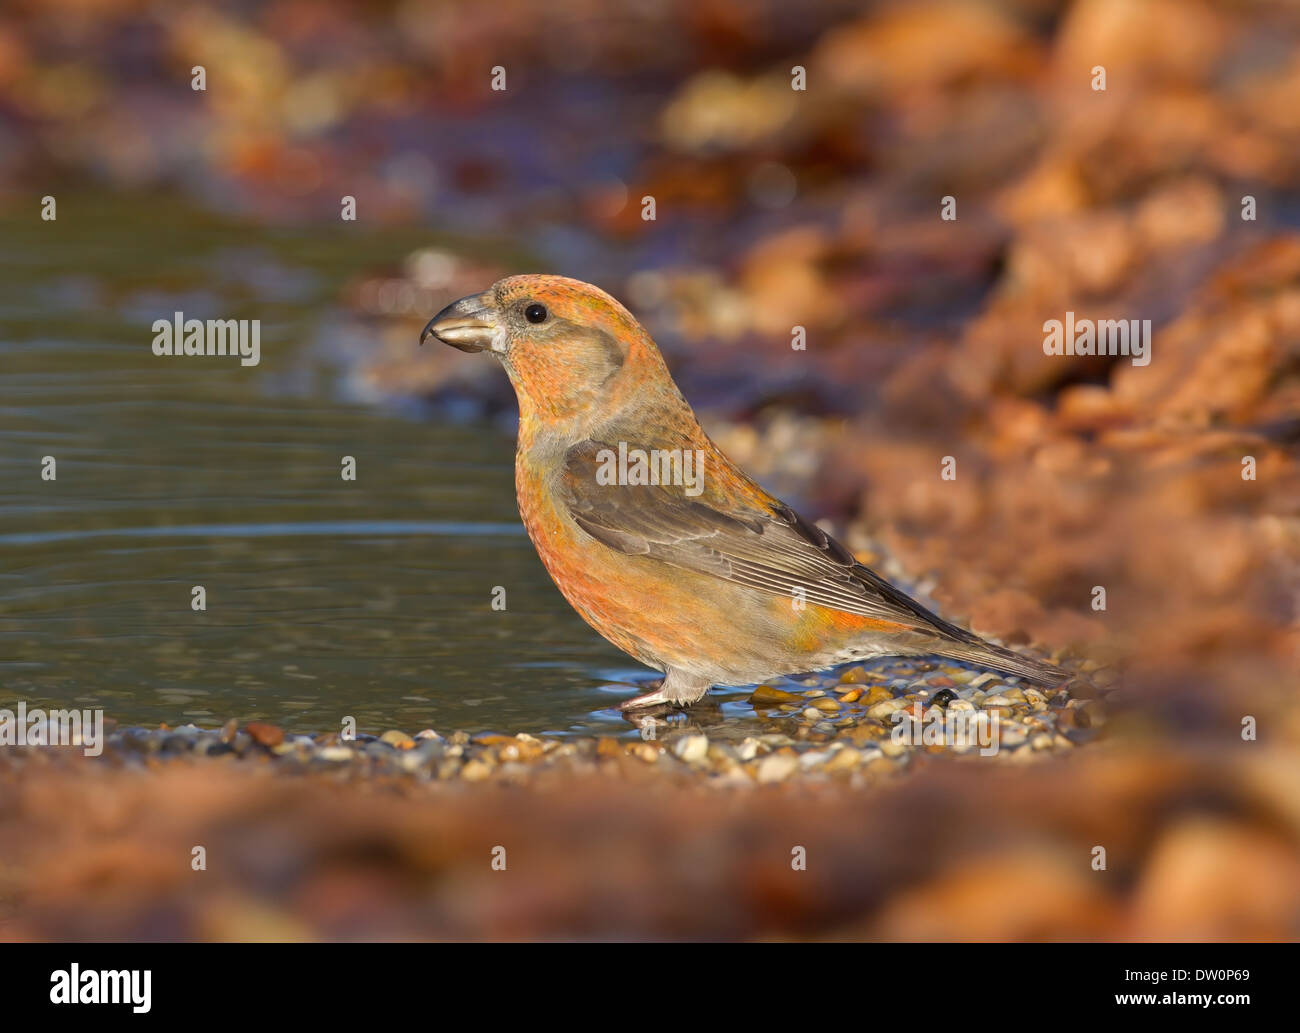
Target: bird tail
[996,658]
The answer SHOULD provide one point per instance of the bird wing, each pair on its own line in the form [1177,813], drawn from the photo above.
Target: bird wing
[764,545]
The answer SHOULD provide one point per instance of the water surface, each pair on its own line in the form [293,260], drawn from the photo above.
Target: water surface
[325,598]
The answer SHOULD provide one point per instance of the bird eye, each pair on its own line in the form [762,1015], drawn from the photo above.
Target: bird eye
[535,313]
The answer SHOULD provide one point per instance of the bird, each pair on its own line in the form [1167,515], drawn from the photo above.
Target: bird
[656,538]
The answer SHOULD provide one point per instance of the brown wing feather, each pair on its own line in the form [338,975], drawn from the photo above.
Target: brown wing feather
[773,550]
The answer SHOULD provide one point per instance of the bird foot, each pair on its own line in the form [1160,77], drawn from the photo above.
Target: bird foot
[650,699]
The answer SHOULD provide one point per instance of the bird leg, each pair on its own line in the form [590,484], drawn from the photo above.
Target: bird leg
[677,690]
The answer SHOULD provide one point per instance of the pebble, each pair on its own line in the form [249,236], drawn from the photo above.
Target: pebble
[692,749]
[777,767]
[646,751]
[264,734]
[475,771]
[845,759]
[748,748]
[1012,736]
[882,710]
[766,695]
[827,729]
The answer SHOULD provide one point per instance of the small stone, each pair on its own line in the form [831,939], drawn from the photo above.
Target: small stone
[692,749]
[475,771]
[428,733]
[943,697]
[892,749]
[1012,736]
[884,708]
[607,746]
[996,700]
[1092,713]
[264,734]
[492,739]
[852,696]
[646,751]
[736,776]
[526,748]
[854,676]
[812,714]
[431,749]
[776,767]
[748,748]
[827,704]
[228,730]
[722,755]
[398,740]
[767,695]
[877,694]
[335,754]
[448,767]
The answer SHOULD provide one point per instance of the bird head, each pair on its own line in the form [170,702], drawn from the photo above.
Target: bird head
[572,352]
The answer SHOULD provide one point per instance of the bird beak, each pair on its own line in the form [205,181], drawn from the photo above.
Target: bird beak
[468,324]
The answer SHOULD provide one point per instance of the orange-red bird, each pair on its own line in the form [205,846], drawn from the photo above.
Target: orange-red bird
[655,537]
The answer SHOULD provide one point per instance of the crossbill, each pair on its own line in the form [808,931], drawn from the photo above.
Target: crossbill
[652,534]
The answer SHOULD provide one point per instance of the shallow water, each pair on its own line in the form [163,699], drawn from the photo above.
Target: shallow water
[325,598]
